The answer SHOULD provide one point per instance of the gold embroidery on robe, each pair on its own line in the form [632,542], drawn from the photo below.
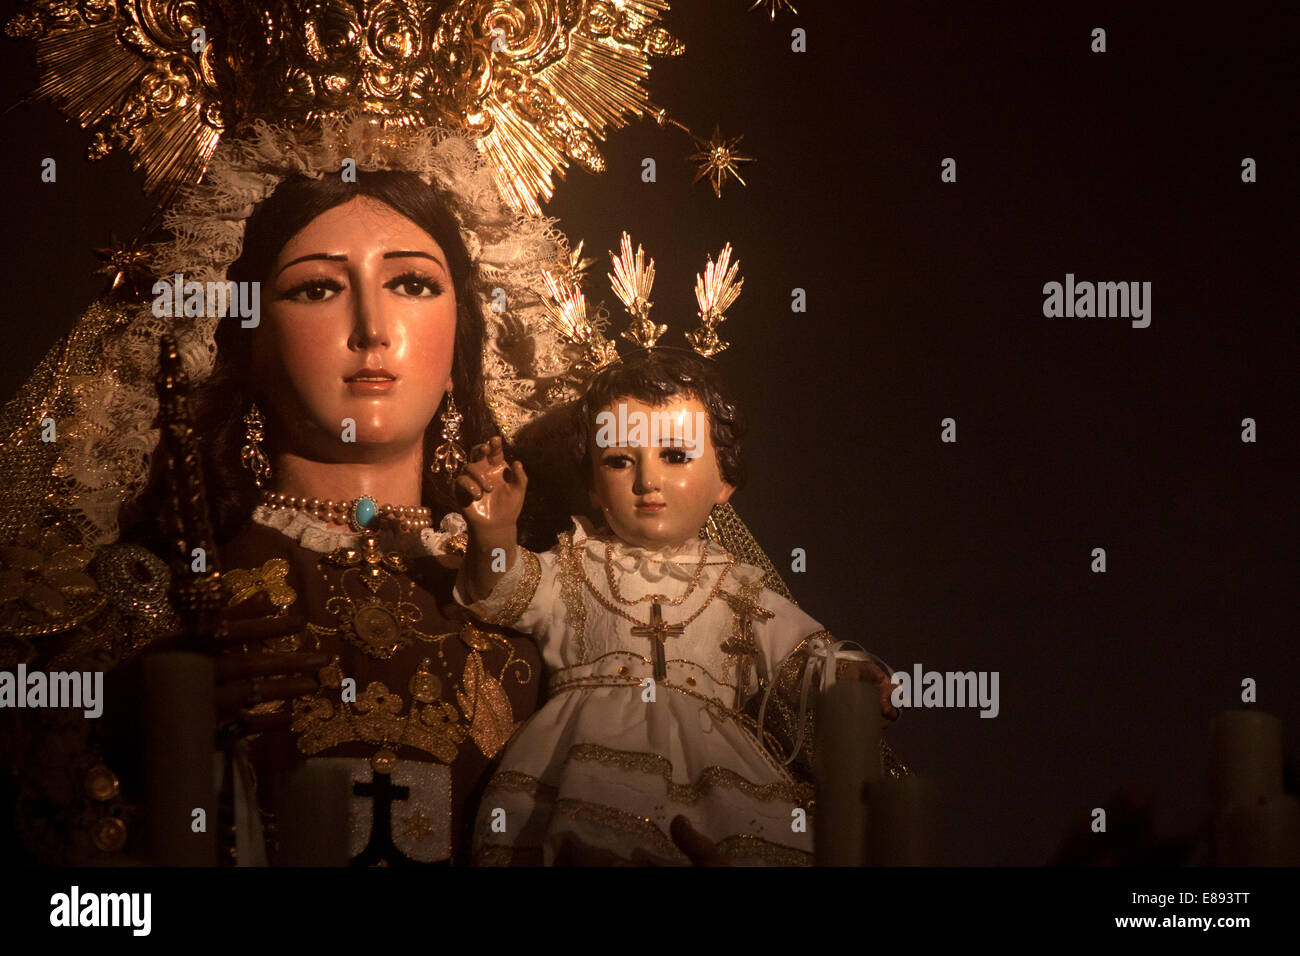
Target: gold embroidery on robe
[486,706]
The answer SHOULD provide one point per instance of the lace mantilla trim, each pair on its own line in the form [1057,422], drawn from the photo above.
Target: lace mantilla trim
[316,535]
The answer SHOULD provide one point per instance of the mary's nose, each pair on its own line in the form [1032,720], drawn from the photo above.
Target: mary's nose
[370,328]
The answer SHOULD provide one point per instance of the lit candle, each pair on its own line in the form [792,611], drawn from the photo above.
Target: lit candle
[179,710]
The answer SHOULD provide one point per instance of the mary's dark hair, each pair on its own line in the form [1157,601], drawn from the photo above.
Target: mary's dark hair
[221,402]
[654,376]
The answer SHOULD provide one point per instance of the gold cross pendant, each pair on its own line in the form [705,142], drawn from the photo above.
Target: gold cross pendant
[658,632]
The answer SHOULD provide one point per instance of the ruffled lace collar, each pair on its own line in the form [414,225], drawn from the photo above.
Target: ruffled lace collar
[316,535]
[655,564]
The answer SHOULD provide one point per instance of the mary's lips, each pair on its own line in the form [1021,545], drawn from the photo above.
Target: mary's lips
[371,375]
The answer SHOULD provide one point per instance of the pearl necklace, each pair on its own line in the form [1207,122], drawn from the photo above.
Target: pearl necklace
[359,514]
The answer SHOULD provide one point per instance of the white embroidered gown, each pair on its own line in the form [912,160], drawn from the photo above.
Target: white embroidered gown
[602,760]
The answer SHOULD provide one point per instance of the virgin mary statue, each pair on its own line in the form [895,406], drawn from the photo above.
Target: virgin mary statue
[245,452]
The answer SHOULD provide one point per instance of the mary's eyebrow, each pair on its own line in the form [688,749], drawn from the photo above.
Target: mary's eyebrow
[415,252]
[338,257]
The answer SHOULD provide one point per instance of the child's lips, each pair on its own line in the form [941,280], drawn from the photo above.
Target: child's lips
[651,506]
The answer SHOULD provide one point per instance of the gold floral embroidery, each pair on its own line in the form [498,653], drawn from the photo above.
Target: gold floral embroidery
[571,588]
[710,778]
[486,706]
[369,603]
[745,845]
[270,579]
[514,608]
[375,718]
[44,587]
[741,649]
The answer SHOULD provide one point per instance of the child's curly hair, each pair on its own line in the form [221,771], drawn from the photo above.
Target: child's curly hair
[654,376]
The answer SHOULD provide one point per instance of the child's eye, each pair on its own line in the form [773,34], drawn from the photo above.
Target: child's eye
[418,281]
[675,456]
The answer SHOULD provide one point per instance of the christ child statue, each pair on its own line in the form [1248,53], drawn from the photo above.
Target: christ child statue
[652,635]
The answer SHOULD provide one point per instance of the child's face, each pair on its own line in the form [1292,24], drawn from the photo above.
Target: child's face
[657,495]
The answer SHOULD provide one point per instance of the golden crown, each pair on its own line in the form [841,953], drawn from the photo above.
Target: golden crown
[632,280]
[534,83]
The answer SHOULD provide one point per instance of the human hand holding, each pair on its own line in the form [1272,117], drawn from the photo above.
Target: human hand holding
[245,680]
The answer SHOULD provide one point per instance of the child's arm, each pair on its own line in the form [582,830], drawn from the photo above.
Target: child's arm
[495,496]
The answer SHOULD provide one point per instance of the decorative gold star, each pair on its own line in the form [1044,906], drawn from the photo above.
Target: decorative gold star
[418,825]
[126,262]
[773,6]
[718,158]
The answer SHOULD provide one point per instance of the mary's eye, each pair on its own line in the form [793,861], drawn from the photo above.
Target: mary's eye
[616,461]
[416,285]
[312,290]
[675,456]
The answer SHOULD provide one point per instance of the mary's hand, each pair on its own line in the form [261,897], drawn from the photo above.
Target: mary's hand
[246,680]
[700,849]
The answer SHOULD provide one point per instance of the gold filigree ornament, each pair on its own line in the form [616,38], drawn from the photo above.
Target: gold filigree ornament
[44,587]
[379,717]
[535,83]
[371,611]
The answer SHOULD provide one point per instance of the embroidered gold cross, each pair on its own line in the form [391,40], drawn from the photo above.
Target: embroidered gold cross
[741,644]
[658,632]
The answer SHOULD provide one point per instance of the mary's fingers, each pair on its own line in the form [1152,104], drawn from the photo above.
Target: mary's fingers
[517,476]
[496,451]
[239,666]
[236,631]
[701,850]
[246,724]
[258,690]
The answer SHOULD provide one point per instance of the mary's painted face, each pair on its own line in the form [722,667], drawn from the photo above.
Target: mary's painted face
[359,325]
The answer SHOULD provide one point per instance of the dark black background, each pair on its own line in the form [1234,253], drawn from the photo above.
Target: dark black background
[924,302]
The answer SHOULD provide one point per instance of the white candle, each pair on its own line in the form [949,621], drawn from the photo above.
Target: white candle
[179,711]
[312,816]
[847,758]
[1245,756]
[903,818]
[1263,832]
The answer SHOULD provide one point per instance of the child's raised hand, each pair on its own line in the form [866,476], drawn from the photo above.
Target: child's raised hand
[491,492]
[867,671]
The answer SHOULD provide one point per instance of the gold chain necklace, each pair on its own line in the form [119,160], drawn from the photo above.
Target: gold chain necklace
[657,598]
[656,629]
